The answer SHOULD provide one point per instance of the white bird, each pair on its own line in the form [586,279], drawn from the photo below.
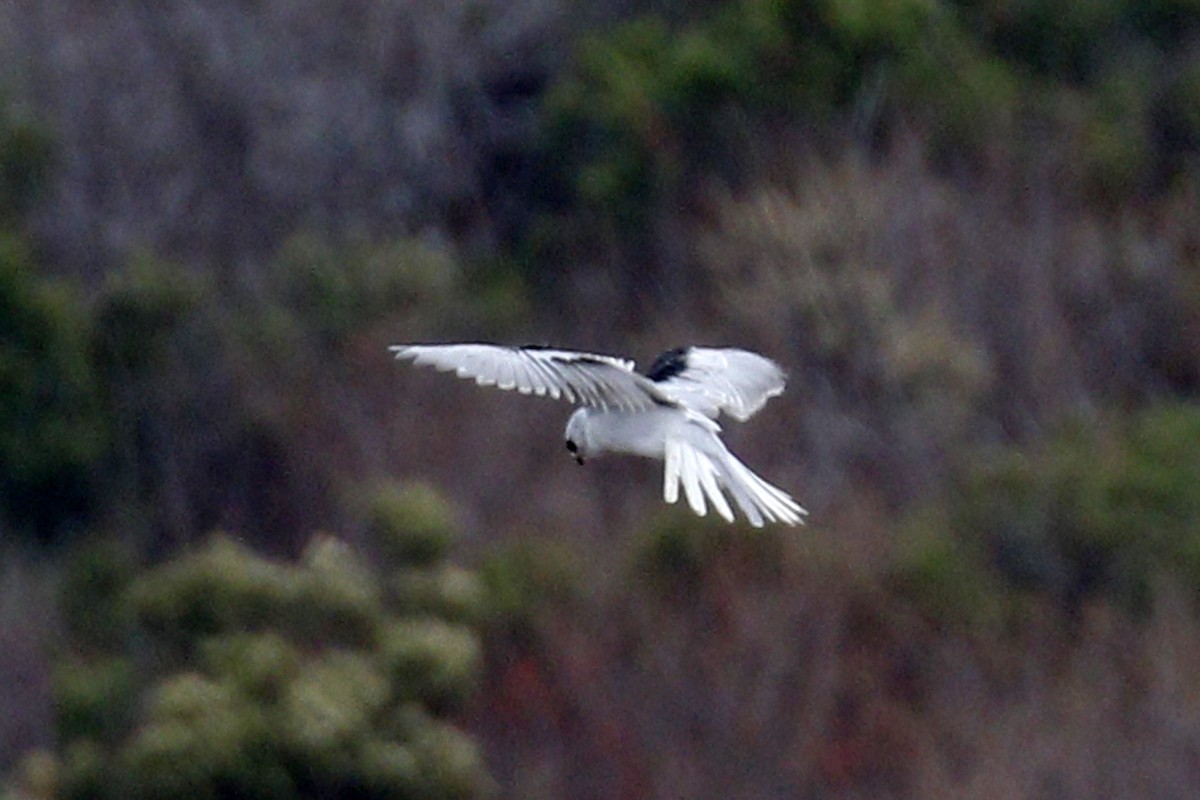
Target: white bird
[669,413]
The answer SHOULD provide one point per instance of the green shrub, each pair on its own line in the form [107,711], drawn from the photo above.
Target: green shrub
[142,311]
[94,698]
[432,661]
[335,289]
[411,524]
[525,576]
[234,675]
[1116,141]
[651,103]
[259,665]
[222,587]
[157,348]
[945,576]
[26,158]
[1101,510]
[330,709]
[445,591]
[87,772]
[336,597]
[200,739]
[53,432]
[448,763]
[96,576]
[675,553]
[391,769]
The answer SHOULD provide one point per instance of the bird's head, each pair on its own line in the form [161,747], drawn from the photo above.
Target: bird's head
[577,436]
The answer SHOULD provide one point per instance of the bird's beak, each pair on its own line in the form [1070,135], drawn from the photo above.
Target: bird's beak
[579,460]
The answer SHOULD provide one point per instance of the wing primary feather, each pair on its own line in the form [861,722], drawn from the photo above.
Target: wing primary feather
[604,382]
[536,384]
[621,391]
[583,385]
[554,381]
[525,382]
[540,378]
[602,393]
[506,375]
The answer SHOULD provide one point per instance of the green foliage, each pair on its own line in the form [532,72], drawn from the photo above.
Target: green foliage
[411,523]
[1099,512]
[264,679]
[86,771]
[646,101]
[650,103]
[432,661]
[91,598]
[330,708]
[1111,72]
[200,739]
[259,665]
[525,576]
[334,290]
[52,429]
[120,406]
[221,587]
[325,293]
[95,697]
[678,553]
[26,157]
[335,597]
[446,591]
[142,310]
[943,575]
[675,553]
[157,352]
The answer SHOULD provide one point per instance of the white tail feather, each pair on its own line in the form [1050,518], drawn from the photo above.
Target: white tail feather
[671,473]
[691,482]
[708,481]
[706,474]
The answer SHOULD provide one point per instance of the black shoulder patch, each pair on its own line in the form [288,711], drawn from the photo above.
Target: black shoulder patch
[668,365]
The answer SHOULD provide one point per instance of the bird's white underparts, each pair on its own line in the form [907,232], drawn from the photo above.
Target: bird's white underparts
[670,413]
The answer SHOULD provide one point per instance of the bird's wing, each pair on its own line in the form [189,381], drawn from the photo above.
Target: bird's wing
[714,380]
[696,458]
[600,381]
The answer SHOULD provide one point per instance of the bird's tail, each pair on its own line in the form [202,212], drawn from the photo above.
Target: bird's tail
[705,472]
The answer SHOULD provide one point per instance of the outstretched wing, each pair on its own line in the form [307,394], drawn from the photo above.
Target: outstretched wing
[603,382]
[696,458]
[714,380]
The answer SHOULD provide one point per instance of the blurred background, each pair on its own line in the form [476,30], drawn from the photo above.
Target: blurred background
[244,554]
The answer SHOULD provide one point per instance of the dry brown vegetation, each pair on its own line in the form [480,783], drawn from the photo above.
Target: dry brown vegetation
[989,310]
[769,677]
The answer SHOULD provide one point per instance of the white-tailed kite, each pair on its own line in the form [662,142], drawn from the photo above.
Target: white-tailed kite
[669,413]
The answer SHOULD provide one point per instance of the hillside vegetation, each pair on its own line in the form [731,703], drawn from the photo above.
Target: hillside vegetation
[969,230]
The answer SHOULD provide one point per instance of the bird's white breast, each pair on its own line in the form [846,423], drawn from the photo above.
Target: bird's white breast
[642,433]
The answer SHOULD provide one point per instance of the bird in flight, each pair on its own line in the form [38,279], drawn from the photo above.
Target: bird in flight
[669,413]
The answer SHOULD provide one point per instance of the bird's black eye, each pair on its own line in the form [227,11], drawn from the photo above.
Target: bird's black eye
[571,446]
